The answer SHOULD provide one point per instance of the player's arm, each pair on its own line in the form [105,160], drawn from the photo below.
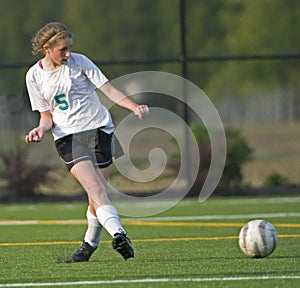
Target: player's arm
[119,98]
[45,124]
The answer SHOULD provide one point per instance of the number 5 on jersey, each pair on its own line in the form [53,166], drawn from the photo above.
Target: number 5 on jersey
[60,99]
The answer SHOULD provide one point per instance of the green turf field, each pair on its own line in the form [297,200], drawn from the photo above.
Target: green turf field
[191,245]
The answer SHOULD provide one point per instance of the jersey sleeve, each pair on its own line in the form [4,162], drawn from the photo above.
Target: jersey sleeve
[37,101]
[92,72]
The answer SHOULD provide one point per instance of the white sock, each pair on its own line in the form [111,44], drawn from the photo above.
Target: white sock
[109,218]
[93,232]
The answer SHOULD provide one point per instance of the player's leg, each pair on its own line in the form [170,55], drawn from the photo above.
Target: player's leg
[93,182]
[108,216]
[93,233]
[74,151]
[92,177]
[107,213]
[91,239]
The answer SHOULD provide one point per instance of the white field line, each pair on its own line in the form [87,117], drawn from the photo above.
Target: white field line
[42,222]
[158,219]
[218,201]
[153,280]
[253,201]
[215,217]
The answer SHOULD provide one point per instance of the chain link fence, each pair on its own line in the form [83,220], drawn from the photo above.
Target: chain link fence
[248,69]
[267,118]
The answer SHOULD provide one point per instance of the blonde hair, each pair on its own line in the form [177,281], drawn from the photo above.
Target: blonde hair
[49,34]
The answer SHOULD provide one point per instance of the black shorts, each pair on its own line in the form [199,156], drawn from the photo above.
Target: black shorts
[94,145]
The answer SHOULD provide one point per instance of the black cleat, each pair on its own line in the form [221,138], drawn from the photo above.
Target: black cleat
[83,253]
[122,245]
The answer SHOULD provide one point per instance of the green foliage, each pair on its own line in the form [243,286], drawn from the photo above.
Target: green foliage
[275,179]
[238,153]
[258,27]
[19,179]
[199,131]
[102,31]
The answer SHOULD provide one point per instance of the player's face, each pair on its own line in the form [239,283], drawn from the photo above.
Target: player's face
[60,53]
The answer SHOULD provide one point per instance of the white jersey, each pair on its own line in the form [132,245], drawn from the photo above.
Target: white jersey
[69,92]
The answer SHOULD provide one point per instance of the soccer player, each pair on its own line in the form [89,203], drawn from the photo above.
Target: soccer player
[62,87]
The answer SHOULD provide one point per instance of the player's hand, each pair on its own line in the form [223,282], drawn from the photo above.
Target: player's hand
[35,135]
[141,111]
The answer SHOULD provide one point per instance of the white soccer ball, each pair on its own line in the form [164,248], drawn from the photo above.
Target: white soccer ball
[258,239]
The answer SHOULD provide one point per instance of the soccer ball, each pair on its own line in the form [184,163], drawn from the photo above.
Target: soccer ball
[258,239]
